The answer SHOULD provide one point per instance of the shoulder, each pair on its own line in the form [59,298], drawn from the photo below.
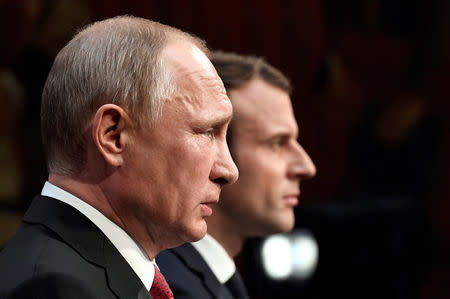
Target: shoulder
[53,286]
[185,281]
[38,247]
[181,261]
[182,255]
[37,260]
[175,268]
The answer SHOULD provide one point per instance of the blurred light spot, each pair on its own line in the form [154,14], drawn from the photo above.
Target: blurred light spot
[290,256]
[276,256]
[305,253]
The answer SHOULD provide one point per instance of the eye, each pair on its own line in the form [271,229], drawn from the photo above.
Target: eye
[210,134]
[279,141]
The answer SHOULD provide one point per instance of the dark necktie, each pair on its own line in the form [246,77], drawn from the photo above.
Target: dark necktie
[160,288]
[236,286]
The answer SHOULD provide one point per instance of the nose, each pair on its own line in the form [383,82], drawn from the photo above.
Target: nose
[302,167]
[224,171]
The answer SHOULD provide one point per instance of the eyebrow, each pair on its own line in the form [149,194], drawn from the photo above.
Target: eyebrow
[213,122]
[222,121]
[283,134]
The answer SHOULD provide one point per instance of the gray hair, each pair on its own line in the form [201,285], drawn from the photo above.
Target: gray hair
[114,61]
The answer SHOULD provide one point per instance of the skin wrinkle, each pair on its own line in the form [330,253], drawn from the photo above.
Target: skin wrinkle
[158,182]
[169,205]
[87,45]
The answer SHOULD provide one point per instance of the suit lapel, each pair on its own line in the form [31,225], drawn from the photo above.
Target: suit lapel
[195,262]
[89,241]
[125,283]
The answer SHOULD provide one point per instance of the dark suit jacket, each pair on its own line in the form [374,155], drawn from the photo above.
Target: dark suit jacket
[188,274]
[59,253]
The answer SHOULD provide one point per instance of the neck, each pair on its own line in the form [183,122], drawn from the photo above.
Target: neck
[222,229]
[96,195]
[89,192]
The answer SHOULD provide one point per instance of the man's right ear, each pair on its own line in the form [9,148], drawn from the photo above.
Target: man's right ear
[109,131]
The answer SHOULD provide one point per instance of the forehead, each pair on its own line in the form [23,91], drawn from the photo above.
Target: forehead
[198,85]
[261,109]
[189,65]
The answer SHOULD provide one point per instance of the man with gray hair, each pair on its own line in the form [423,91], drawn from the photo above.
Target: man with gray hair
[263,141]
[134,120]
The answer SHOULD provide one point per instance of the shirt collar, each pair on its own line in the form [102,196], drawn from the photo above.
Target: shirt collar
[128,248]
[218,260]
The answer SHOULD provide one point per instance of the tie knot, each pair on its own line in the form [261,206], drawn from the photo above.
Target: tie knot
[160,288]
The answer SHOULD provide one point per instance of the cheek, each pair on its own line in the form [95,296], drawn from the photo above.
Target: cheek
[249,192]
[190,171]
[197,163]
[262,171]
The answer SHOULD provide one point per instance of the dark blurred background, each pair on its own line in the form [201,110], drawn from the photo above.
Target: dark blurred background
[371,81]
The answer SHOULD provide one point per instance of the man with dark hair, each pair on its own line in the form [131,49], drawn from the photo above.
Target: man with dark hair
[134,121]
[263,141]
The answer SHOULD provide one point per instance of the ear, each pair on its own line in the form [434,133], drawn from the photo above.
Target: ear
[109,130]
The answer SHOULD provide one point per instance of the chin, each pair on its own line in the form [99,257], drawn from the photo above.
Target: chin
[286,228]
[275,227]
[286,224]
[196,233]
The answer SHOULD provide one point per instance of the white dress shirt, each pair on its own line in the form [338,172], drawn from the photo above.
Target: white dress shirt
[128,248]
[221,264]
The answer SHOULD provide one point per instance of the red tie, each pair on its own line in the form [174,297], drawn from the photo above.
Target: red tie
[160,288]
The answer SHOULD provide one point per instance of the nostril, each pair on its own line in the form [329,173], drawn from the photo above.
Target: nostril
[221,181]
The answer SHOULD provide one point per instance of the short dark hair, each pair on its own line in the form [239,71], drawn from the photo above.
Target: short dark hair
[236,70]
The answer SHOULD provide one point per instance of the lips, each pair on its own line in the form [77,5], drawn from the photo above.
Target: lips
[206,209]
[206,206]
[291,199]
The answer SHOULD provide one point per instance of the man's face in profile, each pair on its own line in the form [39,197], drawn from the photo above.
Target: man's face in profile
[181,163]
[270,160]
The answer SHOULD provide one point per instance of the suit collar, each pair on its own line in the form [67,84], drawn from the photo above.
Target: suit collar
[123,281]
[216,257]
[195,262]
[84,237]
[128,248]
